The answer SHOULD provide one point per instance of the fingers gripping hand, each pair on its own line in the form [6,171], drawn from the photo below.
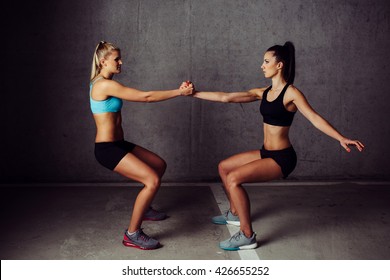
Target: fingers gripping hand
[186,88]
[183,85]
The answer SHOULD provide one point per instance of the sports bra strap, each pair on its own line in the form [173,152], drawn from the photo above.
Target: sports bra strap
[99,78]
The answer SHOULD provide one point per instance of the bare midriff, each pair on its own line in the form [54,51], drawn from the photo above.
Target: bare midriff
[108,127]
[276,137]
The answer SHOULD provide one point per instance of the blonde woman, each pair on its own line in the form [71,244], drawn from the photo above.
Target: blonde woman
[111,149]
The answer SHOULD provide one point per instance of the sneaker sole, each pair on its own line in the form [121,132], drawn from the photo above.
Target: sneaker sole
[245,247]
[219,223]
[234,223]
[129,244]
[248,247]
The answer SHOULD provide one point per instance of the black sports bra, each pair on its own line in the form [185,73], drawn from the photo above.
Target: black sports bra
[274,112]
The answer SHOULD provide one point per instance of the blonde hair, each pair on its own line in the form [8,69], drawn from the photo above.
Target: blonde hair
[102,50]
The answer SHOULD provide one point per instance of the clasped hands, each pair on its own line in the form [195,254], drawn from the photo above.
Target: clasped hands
[187,88]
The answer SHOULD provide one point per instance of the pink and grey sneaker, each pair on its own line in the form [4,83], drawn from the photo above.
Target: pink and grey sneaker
[154,215]
[140,240]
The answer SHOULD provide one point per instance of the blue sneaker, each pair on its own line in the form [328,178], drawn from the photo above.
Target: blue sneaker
[140,240]
[154,215]
[226,218]
[239,242]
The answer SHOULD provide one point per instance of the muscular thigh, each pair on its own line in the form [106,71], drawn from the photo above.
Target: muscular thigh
[150,158]
[134,168]
[240,159]
[261,170]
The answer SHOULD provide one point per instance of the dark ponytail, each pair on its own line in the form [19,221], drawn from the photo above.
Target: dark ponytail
[285,54]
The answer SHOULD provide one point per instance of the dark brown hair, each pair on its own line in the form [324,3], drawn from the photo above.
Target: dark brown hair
[285,54]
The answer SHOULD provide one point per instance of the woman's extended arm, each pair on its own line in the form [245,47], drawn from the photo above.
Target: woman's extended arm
[233,97]
[106,88]
[320,123]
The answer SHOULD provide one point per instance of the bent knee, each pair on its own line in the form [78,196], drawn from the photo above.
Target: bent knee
[233,179]
[152,182]
[222,168]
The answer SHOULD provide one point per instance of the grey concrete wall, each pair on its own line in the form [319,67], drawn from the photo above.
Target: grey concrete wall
[47,131]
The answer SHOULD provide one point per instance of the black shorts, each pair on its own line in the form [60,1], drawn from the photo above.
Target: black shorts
[109,154]
[286,159]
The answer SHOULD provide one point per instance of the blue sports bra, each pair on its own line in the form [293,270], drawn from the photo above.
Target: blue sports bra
[274,112]
[110,105]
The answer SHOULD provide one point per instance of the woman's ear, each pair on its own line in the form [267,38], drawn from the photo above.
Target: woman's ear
[280,65]
[102,62]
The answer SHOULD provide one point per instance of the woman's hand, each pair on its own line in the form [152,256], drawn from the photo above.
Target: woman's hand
[345,143]
[187,88]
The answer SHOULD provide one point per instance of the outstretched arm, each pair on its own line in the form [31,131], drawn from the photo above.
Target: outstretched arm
[233,97]
[108,88]
[319,122]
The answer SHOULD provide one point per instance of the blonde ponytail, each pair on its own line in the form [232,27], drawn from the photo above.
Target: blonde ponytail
[102,50]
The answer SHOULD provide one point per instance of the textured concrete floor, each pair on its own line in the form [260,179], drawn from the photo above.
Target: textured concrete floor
[301,221]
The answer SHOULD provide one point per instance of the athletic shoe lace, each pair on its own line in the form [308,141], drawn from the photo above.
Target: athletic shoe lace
[236,236]
[143,236]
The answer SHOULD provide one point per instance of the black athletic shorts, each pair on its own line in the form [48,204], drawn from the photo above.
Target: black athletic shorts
[109,154]
[286,159]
